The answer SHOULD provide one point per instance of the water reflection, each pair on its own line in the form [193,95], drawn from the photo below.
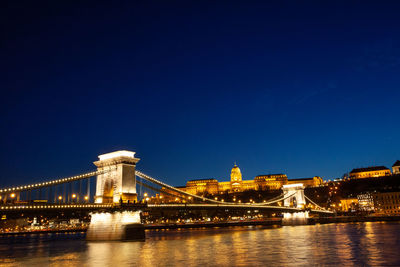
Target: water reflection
[358,244]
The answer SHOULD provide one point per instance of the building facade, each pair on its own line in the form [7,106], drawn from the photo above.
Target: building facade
[387,203]
[348,204]
[307,182]
[376,171]
[396,167]
[270,181]
[237,184]
[366,202]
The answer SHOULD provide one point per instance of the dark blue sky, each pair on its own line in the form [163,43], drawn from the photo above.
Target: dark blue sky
[303,88]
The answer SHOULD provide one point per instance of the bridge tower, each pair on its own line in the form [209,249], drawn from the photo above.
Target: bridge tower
[294,197]
[118,180]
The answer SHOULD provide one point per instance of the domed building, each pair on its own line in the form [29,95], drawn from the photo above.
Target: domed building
[236,179]
[237,184]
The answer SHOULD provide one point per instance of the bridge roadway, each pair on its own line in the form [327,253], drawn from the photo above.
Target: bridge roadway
[117,207]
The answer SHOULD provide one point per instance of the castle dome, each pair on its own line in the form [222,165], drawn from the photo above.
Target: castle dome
[236,175]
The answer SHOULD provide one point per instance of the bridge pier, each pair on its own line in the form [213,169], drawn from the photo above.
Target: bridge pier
[295,218]
[118,225]
[116,184]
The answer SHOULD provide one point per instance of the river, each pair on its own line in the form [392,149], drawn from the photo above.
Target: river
[352,244]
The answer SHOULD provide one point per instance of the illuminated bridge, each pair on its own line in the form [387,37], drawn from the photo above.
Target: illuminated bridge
[119,199]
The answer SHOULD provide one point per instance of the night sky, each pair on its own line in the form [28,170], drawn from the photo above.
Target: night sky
[295,87]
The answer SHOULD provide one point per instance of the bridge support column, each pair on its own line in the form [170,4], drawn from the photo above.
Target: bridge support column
[118,180]
[294,195]
[295,218]
[118,225]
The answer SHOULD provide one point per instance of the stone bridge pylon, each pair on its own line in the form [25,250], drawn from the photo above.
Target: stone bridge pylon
[118,180]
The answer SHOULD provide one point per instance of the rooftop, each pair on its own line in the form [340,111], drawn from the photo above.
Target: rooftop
[273,174]
[208,180]
[301,179]
[369,169]
[397,163]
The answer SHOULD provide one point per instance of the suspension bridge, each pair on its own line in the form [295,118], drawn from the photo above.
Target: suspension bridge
[119,190]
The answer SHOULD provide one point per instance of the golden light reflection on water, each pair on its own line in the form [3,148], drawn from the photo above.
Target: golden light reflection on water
[362,244]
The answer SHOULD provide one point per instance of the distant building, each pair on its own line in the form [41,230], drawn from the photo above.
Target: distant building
[396,167]
[201,186]
[212,186]
[270,181]
[348,204]
[387,203]
[366,202]
[313,181]
[237,184]
[376,171]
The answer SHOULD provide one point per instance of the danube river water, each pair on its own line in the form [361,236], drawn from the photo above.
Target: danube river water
[353,244]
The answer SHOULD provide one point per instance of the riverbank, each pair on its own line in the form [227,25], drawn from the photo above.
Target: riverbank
[352,219]
[268,222]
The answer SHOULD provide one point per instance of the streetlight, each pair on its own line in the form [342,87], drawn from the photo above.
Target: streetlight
[86,198]
[12,196]
[73,197]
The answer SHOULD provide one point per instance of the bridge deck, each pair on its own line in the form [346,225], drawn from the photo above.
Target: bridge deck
[115,207]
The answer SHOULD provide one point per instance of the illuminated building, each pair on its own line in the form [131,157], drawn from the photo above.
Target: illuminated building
[313,181]
[201,186]
[237,184]
[270,181]
[376,171]
[348,204]
[387,203]
[212,186]
[366,202]
[396,167]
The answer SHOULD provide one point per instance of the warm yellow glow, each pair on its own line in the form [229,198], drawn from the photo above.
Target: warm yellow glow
[12,195]
[145,194]
[236,175]
[292,185]
[73,195]
[59,197]
[86,197]
[116,154]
